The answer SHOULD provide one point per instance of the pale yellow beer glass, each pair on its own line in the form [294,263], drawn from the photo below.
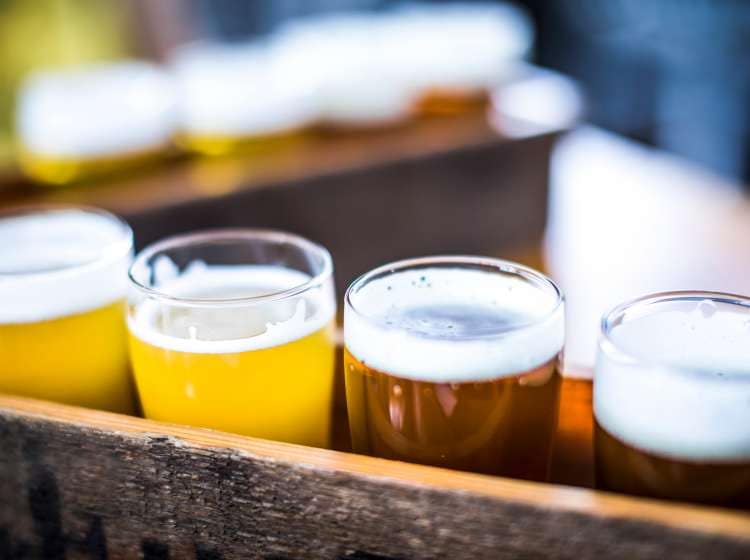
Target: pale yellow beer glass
[63,282]
[233,330]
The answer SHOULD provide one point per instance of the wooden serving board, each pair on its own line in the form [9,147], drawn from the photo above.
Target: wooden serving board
[77,483]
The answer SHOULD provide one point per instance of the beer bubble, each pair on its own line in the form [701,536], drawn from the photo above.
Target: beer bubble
[707,308]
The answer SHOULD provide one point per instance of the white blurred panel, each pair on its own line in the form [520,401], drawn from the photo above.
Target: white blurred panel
[626,220]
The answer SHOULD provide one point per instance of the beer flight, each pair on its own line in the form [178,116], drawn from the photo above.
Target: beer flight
[452,361]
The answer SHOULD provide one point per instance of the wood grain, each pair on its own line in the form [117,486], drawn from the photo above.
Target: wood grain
[95,484]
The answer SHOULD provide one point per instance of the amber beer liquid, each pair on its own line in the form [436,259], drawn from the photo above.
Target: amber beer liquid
[453,362]
[63,281]
[672,398]
[230,343]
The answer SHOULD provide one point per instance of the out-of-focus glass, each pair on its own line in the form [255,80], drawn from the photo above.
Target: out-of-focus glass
[453,362]
[240,97]
[233,330]
[390,67]
[81,123]
[63,281]
[46,34]
[672,398]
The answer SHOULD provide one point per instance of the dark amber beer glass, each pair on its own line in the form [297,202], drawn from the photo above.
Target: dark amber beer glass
[453,362]
[672,398]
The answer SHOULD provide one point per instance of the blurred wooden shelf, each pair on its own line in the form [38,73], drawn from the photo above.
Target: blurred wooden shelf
[179,180]
[369,198]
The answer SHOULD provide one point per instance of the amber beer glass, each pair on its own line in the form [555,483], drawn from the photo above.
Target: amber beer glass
[672,398]
[453,361]
[63,283]
[233,330]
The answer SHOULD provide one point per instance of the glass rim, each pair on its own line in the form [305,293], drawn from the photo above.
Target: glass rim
[236,235]
[123,244]
[502,266]
[610,318]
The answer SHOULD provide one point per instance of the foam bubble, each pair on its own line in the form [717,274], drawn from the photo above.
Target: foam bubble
[240,90]
[453,324]
[690,396]
[213,327]
[60,262]
[97,110]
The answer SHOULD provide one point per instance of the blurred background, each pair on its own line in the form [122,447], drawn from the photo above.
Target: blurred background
[671,73]
[605,141]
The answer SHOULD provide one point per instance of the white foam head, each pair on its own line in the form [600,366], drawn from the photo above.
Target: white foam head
[253,320]
[241,90]
[96,111]
[673,378]
[453,324]
[345,56]
[61,262]
[458,46]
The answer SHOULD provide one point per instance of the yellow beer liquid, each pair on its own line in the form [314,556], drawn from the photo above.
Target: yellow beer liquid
[55,170]
[217,145]
[262,370]
[78,359]
[282,393]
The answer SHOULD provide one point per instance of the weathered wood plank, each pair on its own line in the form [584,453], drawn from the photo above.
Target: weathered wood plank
[76,483]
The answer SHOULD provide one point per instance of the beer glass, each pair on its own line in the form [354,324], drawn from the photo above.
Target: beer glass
[63,282]
[233,330]
[453,361]
[672,398]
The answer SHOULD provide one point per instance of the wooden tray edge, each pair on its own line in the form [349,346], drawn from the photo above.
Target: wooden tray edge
[683,517]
